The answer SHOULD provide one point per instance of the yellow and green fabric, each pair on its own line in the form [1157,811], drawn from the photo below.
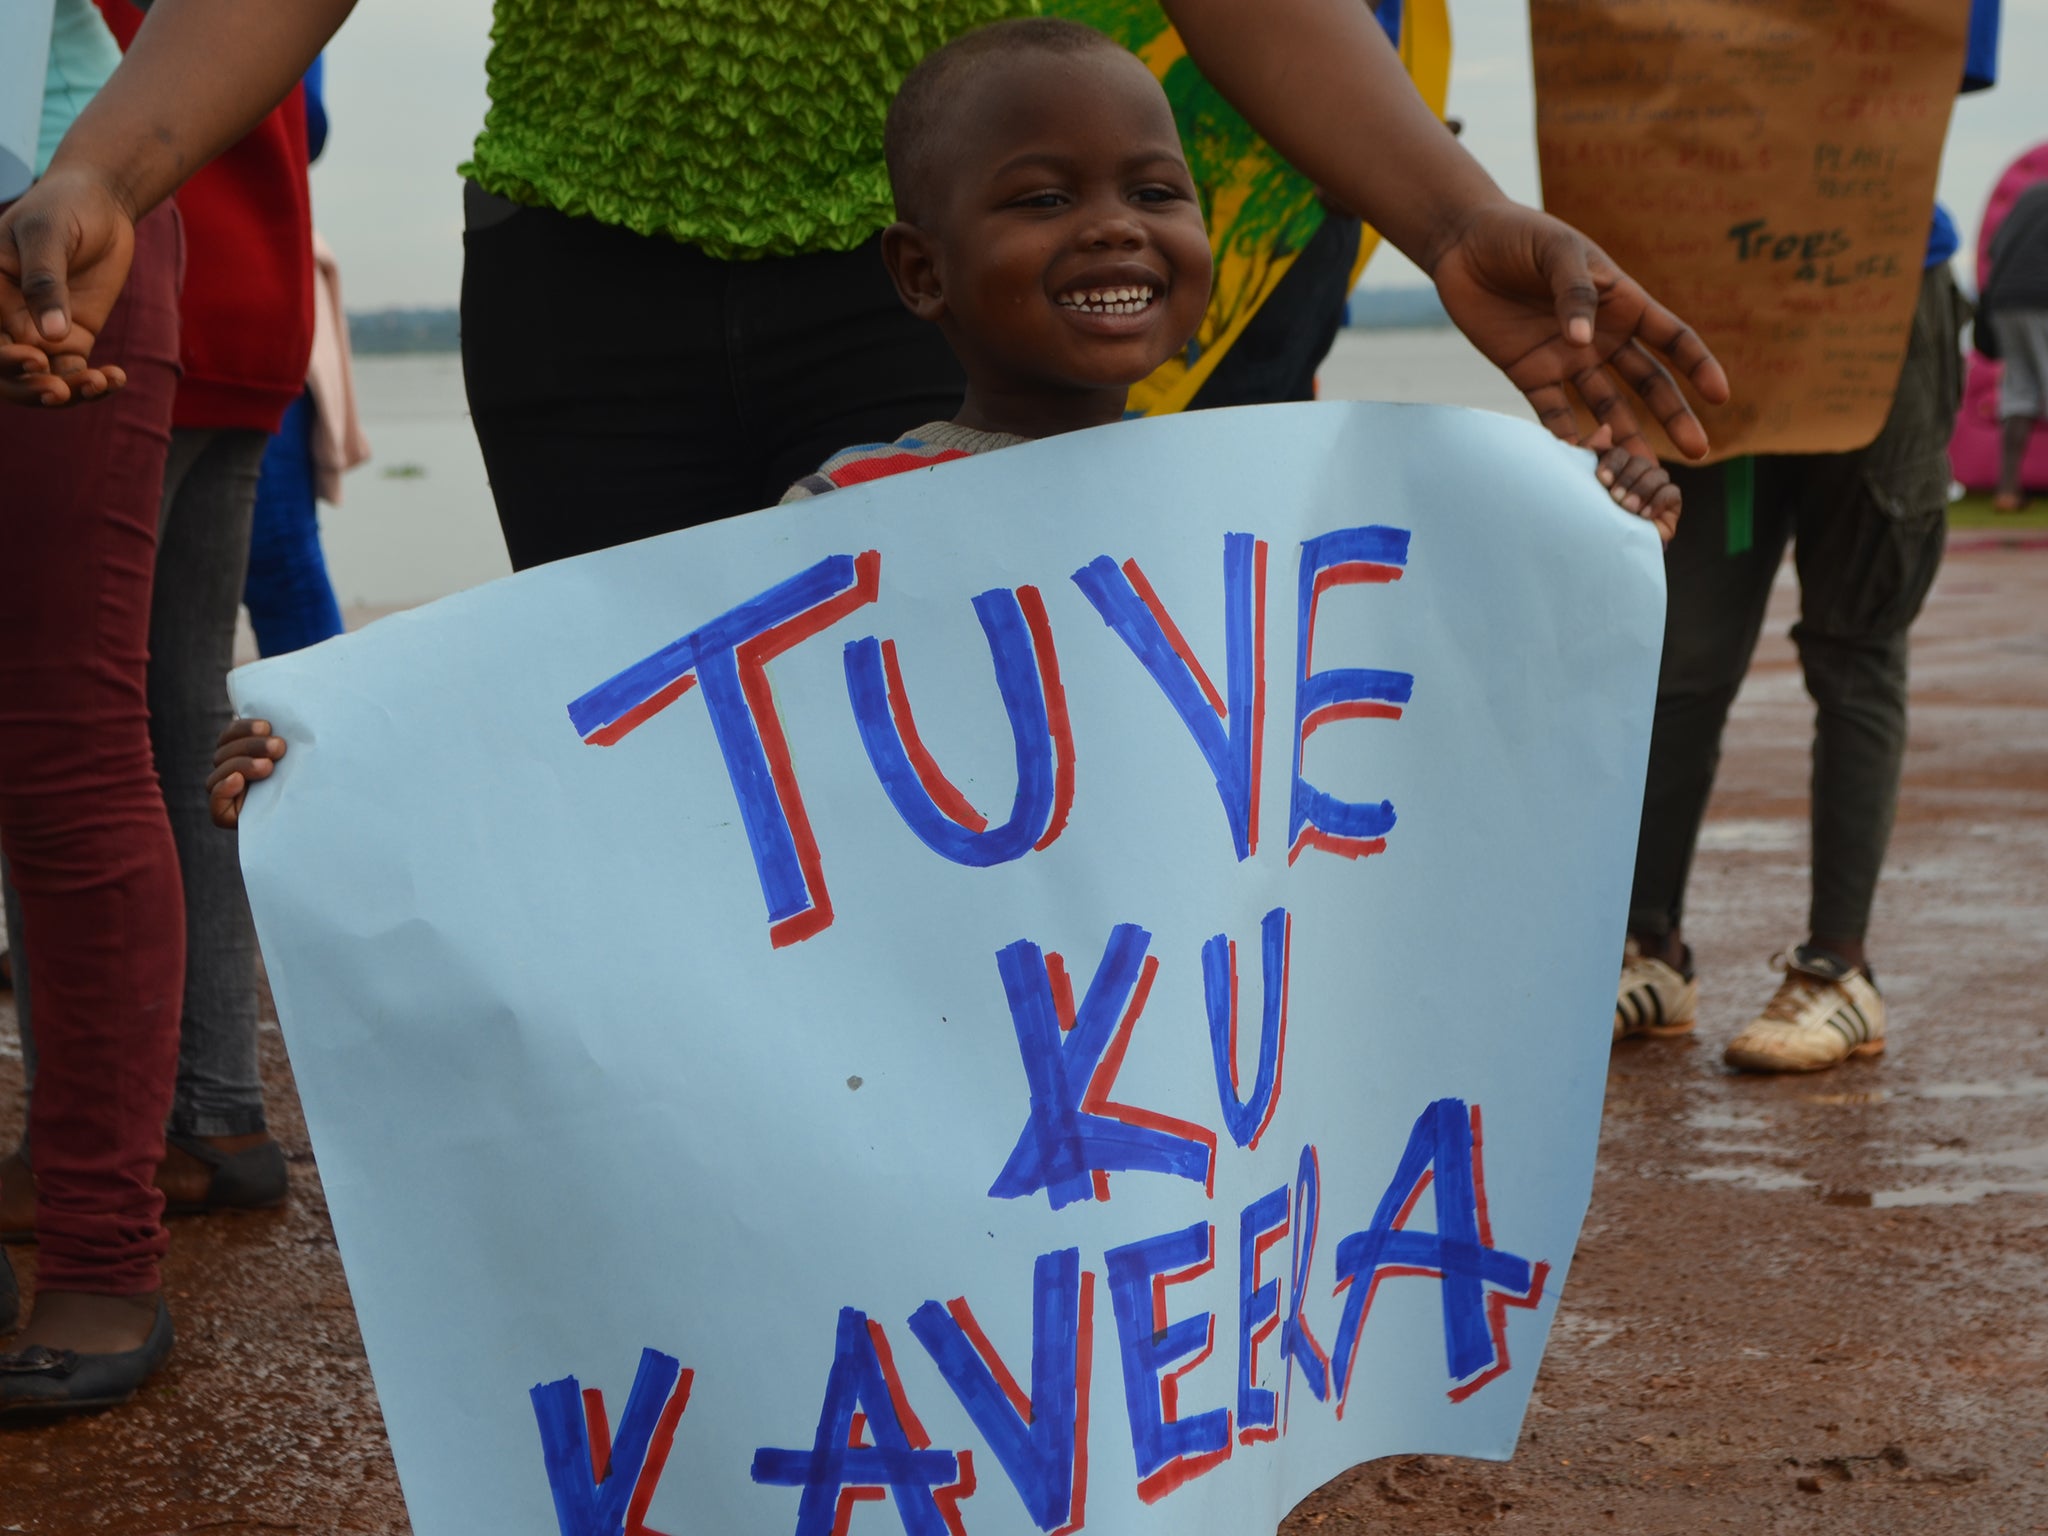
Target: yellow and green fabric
[1261,211]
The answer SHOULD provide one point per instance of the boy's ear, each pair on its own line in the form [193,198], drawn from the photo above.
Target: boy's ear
[912,259]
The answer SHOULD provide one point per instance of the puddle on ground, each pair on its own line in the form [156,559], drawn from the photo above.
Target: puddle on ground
[1751,1176]
[1727,1120]
[1960,1174]
[1753,836]
[2004,1088]
[2007,1088]
[1974,1177]
[1966,1193]
[2030,1160]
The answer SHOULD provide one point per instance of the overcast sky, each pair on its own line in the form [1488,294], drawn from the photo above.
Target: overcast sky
[405,93]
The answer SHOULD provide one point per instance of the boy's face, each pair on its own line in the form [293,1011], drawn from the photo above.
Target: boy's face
[1061,248]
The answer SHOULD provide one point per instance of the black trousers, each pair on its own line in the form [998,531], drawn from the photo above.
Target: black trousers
[695,389]
[1867,530]
[1276,356]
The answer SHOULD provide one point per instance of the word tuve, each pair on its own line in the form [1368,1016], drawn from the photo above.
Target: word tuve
[728,658]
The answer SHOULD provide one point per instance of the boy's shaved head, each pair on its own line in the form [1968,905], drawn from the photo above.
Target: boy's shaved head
[942,86]
[1045,222]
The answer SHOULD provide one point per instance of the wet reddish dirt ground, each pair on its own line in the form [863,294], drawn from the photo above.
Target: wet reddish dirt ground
[1814,1304]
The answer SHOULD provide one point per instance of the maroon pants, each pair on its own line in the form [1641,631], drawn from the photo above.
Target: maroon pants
[81,818]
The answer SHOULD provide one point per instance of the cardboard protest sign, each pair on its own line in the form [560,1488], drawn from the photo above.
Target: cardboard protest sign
[24,61]
[1065,991]
[1768,172]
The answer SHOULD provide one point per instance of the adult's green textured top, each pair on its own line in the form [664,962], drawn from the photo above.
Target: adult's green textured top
[743,127]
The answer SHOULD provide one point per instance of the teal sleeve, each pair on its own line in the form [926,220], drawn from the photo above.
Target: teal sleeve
[83,54]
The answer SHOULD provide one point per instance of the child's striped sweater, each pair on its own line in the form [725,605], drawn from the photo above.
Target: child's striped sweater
[935,443]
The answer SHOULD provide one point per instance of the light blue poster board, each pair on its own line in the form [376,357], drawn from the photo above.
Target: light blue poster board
[1067,990]
[24,61]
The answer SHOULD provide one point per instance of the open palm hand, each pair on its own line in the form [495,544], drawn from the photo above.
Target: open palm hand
[1557,316]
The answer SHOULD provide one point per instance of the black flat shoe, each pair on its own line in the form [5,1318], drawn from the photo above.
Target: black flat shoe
[253,1179]
[48,1381]
[10,1296]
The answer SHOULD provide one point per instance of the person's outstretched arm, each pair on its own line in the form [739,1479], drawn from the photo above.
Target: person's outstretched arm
[201,74]
[1320,81]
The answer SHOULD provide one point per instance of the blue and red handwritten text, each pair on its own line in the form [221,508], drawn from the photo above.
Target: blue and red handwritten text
[729,656]
[1302,1302]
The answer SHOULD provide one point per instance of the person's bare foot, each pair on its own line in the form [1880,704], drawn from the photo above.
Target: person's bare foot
[187,1180]
[2007,501]
[89,1324]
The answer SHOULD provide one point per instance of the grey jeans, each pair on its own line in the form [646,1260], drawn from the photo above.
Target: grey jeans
[1867,530]
[202,557]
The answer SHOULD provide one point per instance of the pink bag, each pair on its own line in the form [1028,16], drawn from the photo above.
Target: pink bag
[1973,451]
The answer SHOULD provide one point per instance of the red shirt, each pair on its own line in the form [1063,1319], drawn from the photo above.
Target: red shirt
[247,304]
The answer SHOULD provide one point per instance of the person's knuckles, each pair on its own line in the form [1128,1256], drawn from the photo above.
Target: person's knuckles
[44,288]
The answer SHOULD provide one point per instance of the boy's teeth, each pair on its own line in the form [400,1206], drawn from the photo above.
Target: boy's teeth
[1109,301]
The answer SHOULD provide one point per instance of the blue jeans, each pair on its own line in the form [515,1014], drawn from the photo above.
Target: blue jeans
[290,600]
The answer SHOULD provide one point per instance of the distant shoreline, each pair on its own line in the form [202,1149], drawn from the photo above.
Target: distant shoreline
[399,332]
[396,332]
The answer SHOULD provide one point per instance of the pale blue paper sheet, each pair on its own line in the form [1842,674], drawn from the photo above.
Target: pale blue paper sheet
[571,1103]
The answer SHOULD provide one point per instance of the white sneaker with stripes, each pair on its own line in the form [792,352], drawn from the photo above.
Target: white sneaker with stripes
[1824,1013]
[1653,999]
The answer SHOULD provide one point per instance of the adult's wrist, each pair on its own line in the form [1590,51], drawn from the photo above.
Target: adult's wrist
[1449,228]
[79,173]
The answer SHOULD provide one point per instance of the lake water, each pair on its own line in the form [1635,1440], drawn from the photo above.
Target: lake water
[417,522]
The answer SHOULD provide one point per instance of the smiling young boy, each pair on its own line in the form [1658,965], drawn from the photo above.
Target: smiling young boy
[1047,224]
